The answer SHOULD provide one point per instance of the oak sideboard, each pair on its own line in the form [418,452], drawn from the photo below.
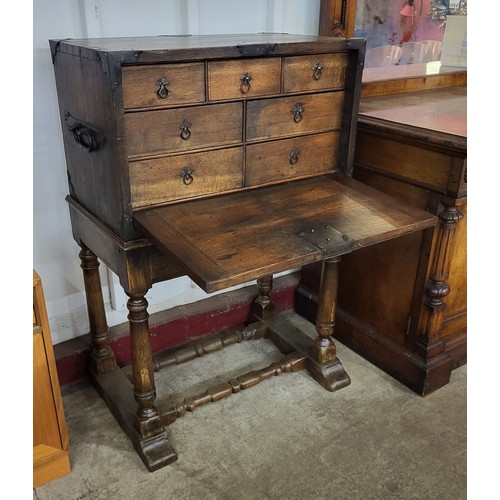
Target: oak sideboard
[403,304]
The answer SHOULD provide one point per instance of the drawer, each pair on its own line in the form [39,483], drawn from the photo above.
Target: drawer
[183,129]
[243,78]
[184,176]
[163,85]
[286,116]
[316,72]
[289,158]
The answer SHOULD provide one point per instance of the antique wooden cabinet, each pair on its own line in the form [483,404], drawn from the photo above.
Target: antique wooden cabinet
[403,304]
[226,158]
[50,438]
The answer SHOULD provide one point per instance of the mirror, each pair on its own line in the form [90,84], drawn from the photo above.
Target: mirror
[401,32]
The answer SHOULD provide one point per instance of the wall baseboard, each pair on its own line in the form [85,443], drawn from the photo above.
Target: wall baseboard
[176,326]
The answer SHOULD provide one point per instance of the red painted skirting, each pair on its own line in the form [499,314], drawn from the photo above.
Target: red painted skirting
[175,327]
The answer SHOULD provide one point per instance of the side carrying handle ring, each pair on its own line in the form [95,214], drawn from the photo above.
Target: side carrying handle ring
[89,138]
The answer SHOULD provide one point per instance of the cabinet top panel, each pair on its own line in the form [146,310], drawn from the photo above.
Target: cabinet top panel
[150,49]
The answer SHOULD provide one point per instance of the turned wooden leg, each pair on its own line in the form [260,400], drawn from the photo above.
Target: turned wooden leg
[102,358]
[135,409]
[147,420]
[324,348]
[263,307]
[324,365]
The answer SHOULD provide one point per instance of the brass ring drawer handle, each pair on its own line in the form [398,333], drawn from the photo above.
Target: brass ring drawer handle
[162,88]
[317,70]
[187,178]
[294,156]
[297,112]
[185,132]
[245,86]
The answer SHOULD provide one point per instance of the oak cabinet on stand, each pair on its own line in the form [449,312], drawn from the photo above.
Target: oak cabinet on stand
[226,158]
[50,438]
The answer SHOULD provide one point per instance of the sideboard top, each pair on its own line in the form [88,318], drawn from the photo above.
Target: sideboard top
[152,49]
[440,114]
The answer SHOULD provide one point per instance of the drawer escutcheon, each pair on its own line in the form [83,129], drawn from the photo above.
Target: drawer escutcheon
[297,112]
[294,157]
[317,70]
[162,88]
[185,132]
[245,86]
[186,174]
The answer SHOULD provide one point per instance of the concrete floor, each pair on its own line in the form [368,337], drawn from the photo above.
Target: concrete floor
[286,438]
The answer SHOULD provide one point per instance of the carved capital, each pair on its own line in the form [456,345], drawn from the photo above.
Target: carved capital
[451,214]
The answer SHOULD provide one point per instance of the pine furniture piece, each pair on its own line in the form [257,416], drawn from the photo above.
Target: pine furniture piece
[227,159]
[403,304]
[50,437]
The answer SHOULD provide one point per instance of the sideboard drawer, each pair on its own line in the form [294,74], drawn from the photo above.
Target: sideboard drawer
[244,78]
[289,158]
[163,85]
[316,72]
[184,176]
[183,129]
[286,116]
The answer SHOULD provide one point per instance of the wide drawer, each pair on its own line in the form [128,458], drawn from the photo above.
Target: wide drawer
[184,176]
[286,116]
[243,78]
[316,72]
[291,158]
[183,129]
[163,85]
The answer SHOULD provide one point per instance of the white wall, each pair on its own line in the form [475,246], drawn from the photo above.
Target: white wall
[55,253]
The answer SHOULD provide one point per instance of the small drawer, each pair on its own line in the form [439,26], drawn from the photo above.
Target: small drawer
[163,85]
[166,131]
[243,78]
[286,116]
[178,177]
[290,158]
[317,72]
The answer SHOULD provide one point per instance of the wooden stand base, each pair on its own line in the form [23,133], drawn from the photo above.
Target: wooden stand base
[131,399]
[156,451]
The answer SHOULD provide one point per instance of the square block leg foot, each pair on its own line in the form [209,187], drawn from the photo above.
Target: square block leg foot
[117,391]
[156,452]
[331,375]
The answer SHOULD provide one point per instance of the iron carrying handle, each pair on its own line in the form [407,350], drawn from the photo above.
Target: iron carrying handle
[87,137]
